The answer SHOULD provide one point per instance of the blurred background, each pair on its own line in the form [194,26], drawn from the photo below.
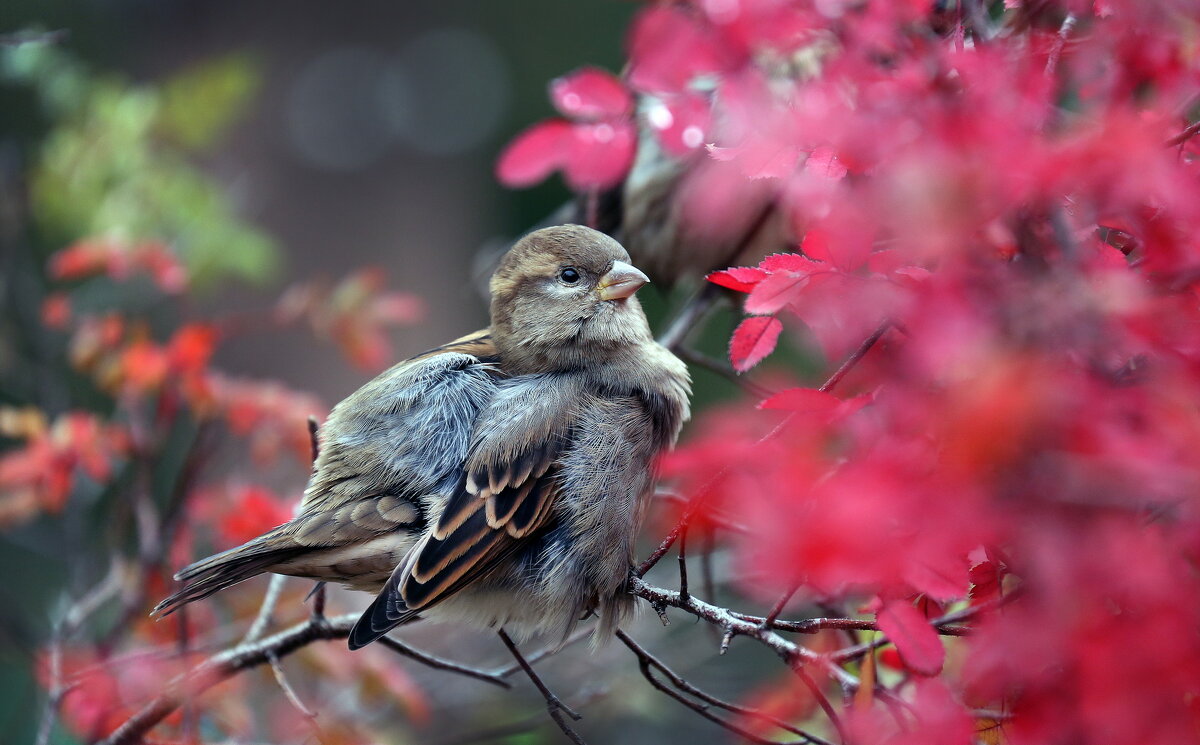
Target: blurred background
[281,148]
[364,134]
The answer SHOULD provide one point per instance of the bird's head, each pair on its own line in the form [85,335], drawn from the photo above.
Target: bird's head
[562,296]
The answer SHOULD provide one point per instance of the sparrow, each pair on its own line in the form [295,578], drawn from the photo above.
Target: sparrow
[500,479]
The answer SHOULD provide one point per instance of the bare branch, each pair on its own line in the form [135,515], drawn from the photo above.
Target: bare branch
[648,663]
[262,621]
[231,662]
[854,358]
[576,637]
[1184,136]
[438,663]
[554,704]
[719,367]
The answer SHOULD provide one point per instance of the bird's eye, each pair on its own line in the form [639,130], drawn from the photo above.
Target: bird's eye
[569,276]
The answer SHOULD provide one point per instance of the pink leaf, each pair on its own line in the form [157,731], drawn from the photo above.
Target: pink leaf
[668,47]
[775,292]
[846,252]
[823,161]
[740,278]
[947,582]
[788,263]
[804,400]
[680,122]
[534,154]
[753,339]
[600,154]
[590,94]
[918,643]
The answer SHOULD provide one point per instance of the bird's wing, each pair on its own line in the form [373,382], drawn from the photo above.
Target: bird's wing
[394,442]
[508,488]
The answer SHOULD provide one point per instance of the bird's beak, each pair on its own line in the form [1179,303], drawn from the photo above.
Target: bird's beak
[621,281]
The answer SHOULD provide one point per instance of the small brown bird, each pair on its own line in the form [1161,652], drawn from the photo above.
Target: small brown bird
[500,479]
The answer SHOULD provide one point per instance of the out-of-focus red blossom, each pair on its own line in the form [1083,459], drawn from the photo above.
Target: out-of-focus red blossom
[39,475]
[273,417]
[119,260]
[1009,206]
[56,311]
[250,512]
[102,693]
[593,147]
[356,314]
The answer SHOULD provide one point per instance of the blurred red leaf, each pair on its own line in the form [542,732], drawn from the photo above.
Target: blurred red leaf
[255,510]
[740,278]
[590,93]
[535,154]
[753,339]
[917,641]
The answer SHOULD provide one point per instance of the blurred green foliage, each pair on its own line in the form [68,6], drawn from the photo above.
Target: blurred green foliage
[116,161]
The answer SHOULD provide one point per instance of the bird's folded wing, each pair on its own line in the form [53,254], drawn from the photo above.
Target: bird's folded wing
[401,437]
[508,490]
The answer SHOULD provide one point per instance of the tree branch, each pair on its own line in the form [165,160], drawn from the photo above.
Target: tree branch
[554,704]
[648,663]
[231,662]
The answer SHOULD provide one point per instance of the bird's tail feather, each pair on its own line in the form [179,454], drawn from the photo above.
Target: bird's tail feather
[228,568]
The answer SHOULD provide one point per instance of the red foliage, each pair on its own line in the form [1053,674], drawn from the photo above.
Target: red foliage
[253,511]
[40,475]
[119,260]
[356,314]
[593,147]
[1009,205]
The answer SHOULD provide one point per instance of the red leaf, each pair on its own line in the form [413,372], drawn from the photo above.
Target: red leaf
[680,122]
[740,278]
[591,94]
[668,47]
[823,161]
[775,292]
[918,643]
[753,339]
[939,582]
[535,153]
[848,252]
[805,400]
[254,512]
[788,263]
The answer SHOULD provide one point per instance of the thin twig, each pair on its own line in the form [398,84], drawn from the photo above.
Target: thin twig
[647,662]
[1184,136]
[55,688]
[683,578]
[554,704]
[288,691]
[854,358]
[719,367]
[1064,31]
[693,312]
[576,637]
[314,442]
[769,621]
[789,652]
[946,624]
[438,663]
[822,700]
[262,621]
[226,664]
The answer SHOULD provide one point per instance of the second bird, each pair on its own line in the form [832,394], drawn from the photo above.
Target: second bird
[500,479]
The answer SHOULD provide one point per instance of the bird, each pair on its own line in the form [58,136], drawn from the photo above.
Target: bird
[500,479]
